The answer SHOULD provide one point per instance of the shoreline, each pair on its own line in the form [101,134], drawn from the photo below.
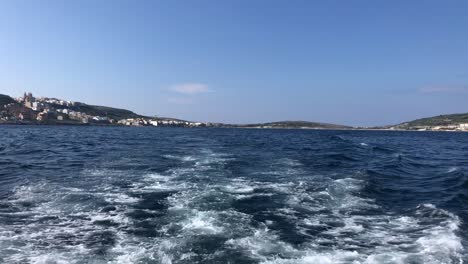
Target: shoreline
[224,127]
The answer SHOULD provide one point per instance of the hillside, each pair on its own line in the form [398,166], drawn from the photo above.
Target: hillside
[5,99]
[114,113]
[90,110]
[441,120]
[295,124]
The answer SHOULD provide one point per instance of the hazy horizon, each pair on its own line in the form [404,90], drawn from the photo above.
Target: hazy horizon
[351,63]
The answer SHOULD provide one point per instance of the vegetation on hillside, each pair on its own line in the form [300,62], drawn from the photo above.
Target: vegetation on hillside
[296,124]
[114,113]
[5,99]
[441,120]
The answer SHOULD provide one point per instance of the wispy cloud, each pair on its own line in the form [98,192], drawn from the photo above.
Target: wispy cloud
[444,89]
[190,88]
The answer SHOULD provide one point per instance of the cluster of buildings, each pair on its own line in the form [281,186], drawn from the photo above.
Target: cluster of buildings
[51,110]
[43,103]
[78,116]
[459,127]
[451,127]
[159,122]
[43,109]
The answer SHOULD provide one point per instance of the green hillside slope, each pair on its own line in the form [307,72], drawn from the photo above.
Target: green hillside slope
[441,120]
[5,99]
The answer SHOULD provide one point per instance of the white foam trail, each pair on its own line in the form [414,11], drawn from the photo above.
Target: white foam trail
[202,222]
[120,198]
[327,211]
[437,243]
[238,188]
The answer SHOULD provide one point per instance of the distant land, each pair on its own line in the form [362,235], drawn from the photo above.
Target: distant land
[440,120]
[52,111]
[293,124]
[447,122]
[91,109]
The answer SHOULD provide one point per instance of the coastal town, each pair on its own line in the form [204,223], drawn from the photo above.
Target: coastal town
[448,127]
[29,109]
[43,110]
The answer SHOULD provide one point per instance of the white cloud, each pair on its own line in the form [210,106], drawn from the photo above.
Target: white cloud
[190,88]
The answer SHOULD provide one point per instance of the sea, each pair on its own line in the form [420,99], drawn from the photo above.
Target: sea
[212,195]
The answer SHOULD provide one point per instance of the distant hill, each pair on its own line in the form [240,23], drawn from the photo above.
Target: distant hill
[441,120]
[295,124]
[114,113]
[5,99]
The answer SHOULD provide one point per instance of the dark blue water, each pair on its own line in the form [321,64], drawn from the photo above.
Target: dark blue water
[161,195]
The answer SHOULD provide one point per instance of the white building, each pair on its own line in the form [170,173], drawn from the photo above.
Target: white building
[100,118]
[37,106]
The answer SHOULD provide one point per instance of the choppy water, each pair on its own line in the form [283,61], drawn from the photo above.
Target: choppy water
[149,195]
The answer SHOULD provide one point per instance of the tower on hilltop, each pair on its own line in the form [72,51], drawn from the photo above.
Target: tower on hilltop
[28,100]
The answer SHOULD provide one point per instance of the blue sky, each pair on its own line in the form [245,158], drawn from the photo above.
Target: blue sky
[348,62]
